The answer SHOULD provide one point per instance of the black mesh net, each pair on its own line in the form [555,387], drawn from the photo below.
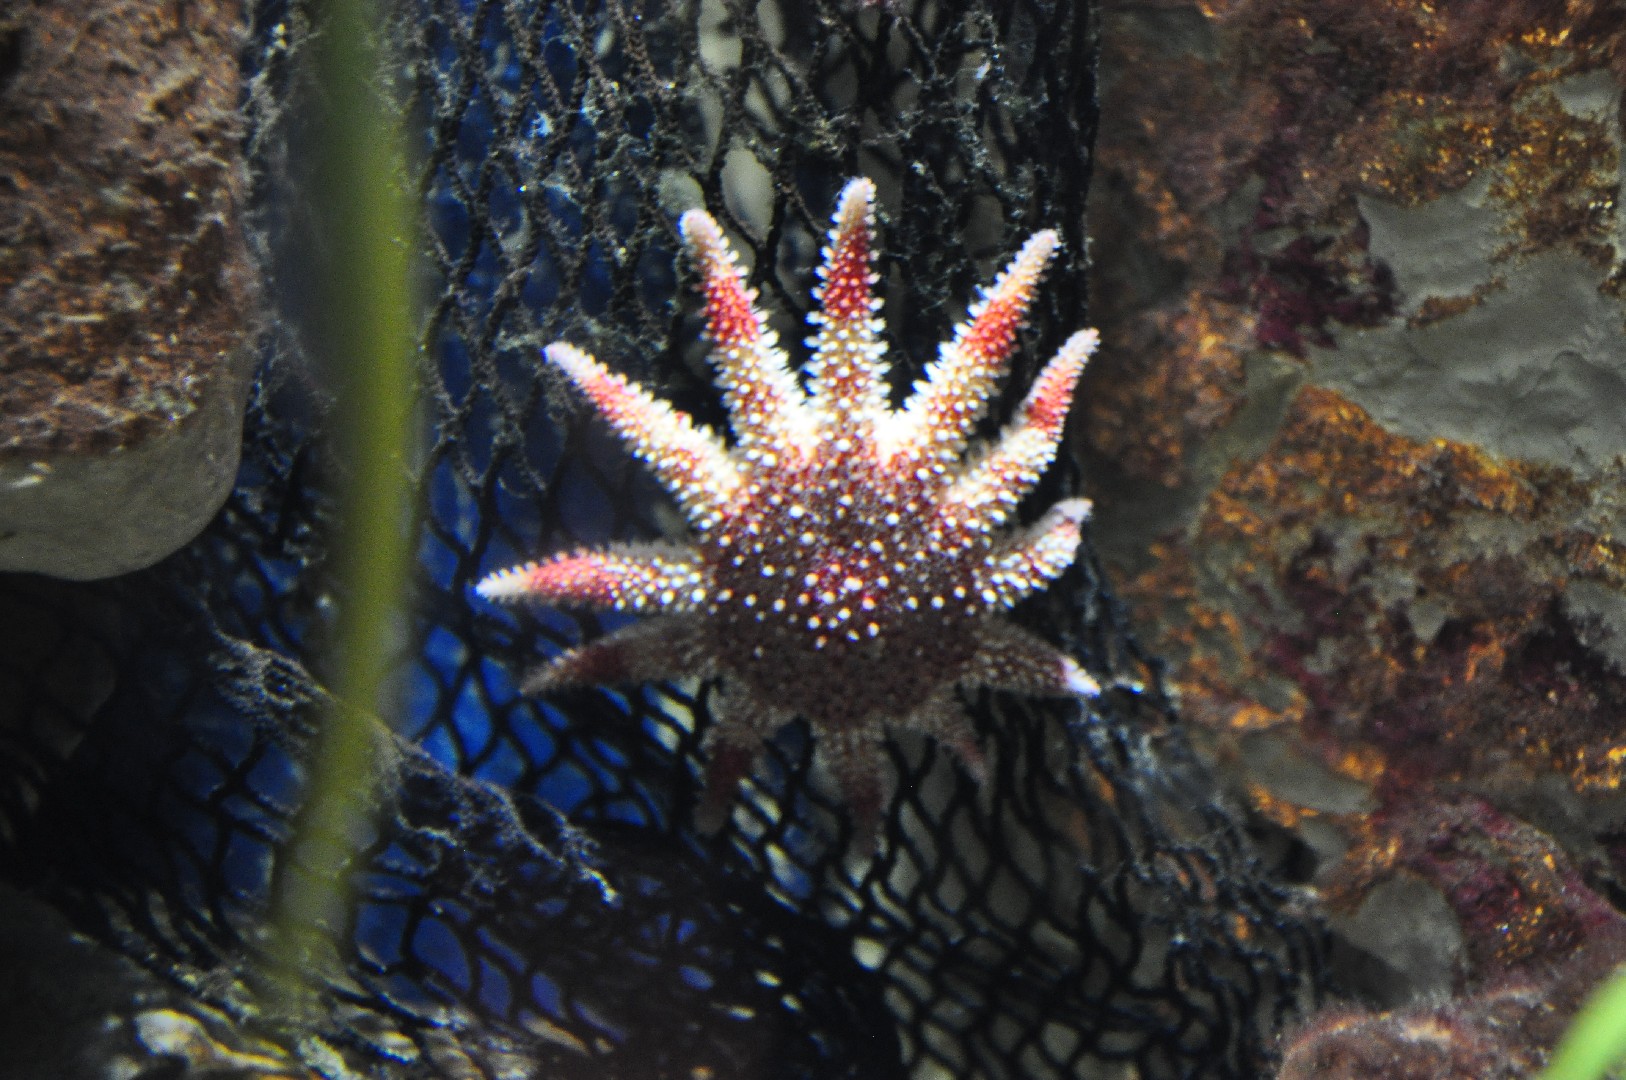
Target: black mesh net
[534,899]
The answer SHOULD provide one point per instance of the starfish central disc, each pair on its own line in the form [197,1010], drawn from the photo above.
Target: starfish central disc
[849,562]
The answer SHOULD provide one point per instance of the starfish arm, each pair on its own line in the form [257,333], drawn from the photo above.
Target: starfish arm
[945,720]
[654,650]
[947,404]
[1013,659]
[766,407]
[732,745]
[990,486]
[846,377]
[1028,560]
[626,577]
[691,462]
[856,761]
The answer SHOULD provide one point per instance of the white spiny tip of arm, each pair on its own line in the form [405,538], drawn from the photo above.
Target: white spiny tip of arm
[1082,343]
[855,208]
[732,318]
[722,279]
[988,332]
[508,586]
[847,254]
[1072,511]
[1021,276]
[581,367]
[630,577]
[704,237]
[1018,660]
[1078,680]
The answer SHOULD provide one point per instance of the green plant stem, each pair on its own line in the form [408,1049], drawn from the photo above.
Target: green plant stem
[1596,1042]
[369,319]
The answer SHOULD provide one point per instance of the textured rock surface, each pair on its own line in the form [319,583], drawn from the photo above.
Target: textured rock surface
[1359,434]
[74,1010]
[124,278]
[1535,938]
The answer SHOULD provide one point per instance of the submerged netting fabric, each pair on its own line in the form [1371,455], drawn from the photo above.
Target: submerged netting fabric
[534,899]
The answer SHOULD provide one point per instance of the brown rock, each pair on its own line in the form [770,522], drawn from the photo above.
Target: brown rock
[124,277]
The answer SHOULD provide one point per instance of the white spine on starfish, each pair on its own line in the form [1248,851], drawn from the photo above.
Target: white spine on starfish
[946,404]
[846,379]
[1028,560]
[990,486]
[623,577]
[767,409]
[691,462]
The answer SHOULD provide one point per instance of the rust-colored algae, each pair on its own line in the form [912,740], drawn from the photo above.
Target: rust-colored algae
[1231,173]
[1375,603]
[1303,202]
[1186,365]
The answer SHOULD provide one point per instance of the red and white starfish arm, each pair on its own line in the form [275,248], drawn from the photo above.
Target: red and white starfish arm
[847,381]
[766,406]
[948,402]
[690,461]
[625,577]
[991,485]
[1013,659]
[1028,560]
[655,650]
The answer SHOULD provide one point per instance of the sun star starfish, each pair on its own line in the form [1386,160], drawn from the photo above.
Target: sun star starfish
[847,566]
